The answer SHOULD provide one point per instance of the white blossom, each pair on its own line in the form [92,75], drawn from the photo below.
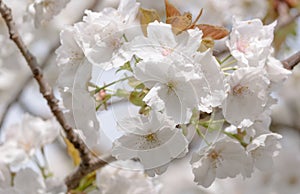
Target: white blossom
[247,95]
[225,158]
[5,176]
[178,86]
[102,34]
[21,186]
[126,177]
[250,42]
[154,140]
[263,148]
[12,155]
[161,42]
[7,78]
[210,68]
[32,133]
[46,9]
[73,88]
[275,71]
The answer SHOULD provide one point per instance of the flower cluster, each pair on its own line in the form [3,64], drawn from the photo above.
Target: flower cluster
[20,157]
[174,79]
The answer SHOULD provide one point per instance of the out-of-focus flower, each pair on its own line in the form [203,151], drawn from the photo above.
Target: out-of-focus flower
[276,72]
[33,133]
[5,176]
[35,185]
[25,187]
[7,78]
[126,177]
[46,9]
[12,155]
[263,148]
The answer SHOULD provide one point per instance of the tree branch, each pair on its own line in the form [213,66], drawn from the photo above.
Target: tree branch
[89,162]
[292,61]
[45,89]
[73,180]
[45,62]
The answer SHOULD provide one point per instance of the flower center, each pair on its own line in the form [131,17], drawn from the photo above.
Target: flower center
[239,90]
[171,87]
[242,46]
[213,155]
[166,51]
[151,137]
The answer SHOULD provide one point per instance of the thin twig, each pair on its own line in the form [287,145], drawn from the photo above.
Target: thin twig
[292,61]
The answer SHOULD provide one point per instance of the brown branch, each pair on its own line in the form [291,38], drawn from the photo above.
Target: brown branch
[89,162]
[45,89]
[292,61]
[73,180]
[51,52]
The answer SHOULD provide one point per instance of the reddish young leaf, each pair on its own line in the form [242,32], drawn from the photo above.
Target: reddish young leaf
[171,10]
[215,32]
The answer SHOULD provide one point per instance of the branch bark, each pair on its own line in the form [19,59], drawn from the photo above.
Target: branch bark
[45,89]
[73,180]
[89,162]
[292,61]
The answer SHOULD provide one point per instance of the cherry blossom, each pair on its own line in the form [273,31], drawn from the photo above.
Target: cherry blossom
[71,59]
[250,42]
[32,133]
[161,42]
[171,81]
[100,35]
[125,177]
[154,140]
[46,9]
[225,158]
[247,95]
[263,148]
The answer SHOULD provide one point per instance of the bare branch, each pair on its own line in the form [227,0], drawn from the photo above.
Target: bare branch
[89,162]
[292,61]
[45,89]
[51,52]
[73,180]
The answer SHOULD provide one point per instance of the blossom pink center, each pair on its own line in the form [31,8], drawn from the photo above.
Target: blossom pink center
[242,46]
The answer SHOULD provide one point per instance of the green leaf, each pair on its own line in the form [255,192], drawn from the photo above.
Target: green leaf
[136,98]
[126,66]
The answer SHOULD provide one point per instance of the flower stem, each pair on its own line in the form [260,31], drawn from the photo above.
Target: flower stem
[110,84]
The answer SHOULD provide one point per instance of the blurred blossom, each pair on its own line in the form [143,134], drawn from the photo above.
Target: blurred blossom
[126,177]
